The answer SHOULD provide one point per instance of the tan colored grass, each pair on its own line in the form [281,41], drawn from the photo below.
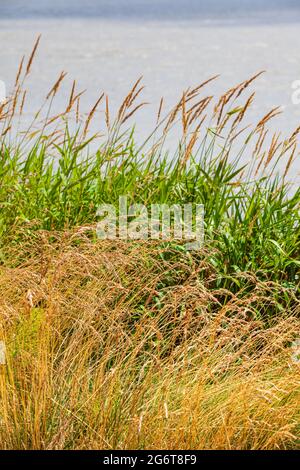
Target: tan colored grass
[97,358]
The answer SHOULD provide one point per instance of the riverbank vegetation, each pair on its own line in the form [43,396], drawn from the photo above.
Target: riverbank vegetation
[124,344]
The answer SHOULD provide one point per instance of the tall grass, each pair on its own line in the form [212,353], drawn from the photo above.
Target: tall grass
[122,347]
[51,177]
[142,344]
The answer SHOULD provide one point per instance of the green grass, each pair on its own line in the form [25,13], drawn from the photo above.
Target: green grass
[251,223]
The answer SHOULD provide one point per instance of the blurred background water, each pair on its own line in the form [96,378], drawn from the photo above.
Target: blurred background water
[145,9]
[107,44]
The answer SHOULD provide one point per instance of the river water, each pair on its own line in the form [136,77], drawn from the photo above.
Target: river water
[107,44]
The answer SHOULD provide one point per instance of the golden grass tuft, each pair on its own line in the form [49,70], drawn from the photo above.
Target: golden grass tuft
[114,345]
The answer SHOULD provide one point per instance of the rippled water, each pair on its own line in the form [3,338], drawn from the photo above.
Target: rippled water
[107,44]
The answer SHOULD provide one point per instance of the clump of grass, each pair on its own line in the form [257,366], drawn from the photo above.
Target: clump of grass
[134,351]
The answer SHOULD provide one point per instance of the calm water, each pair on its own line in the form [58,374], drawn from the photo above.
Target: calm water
[106,44]
[149,9]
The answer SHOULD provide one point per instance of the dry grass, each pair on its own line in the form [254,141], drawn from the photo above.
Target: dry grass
[114,345]
[120,345]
